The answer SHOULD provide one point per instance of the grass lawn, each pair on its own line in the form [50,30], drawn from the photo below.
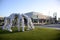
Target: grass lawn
[36,34]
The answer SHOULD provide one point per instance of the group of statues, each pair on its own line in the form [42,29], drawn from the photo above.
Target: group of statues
[8,22]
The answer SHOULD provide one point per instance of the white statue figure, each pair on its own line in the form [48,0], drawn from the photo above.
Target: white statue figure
[5,23]
[12,18]
[20,20]
[29,22]
[23,25]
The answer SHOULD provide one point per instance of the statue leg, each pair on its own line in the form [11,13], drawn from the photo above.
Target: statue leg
[18,23]
[23,29]
[9,28]
[5,24]
[18,26]
[23,24]
[28,25]
[31,24]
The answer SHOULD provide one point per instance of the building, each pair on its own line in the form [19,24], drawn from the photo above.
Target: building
[39,18]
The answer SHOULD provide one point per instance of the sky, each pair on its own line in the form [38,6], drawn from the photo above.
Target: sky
[46,7]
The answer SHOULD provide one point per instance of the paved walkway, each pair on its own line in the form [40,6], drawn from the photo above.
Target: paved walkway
[53,26]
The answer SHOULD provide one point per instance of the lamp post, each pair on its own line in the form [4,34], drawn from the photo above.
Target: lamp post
[38,18]
[55,17]
[49,17]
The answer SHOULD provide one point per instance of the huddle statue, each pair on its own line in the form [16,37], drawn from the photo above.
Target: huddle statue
[20,23]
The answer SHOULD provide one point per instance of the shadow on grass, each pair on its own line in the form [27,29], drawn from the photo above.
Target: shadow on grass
[7,32]
[57,36]
[15,30]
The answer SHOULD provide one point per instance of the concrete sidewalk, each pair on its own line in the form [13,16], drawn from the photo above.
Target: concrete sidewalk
[52,26]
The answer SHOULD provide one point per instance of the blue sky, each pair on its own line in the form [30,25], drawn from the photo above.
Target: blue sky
[47,7]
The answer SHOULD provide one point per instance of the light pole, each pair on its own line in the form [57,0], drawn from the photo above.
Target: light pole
[49,17]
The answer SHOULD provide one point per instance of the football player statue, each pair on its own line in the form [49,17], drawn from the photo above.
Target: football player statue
[20,20]
[20,23]
[12,18]
[5,23]
[29,22]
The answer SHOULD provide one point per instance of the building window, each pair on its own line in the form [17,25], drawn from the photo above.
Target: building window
[35,21]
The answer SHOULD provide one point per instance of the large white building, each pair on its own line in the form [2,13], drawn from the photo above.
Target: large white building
[39,18]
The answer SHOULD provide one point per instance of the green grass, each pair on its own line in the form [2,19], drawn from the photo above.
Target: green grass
[36,34]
